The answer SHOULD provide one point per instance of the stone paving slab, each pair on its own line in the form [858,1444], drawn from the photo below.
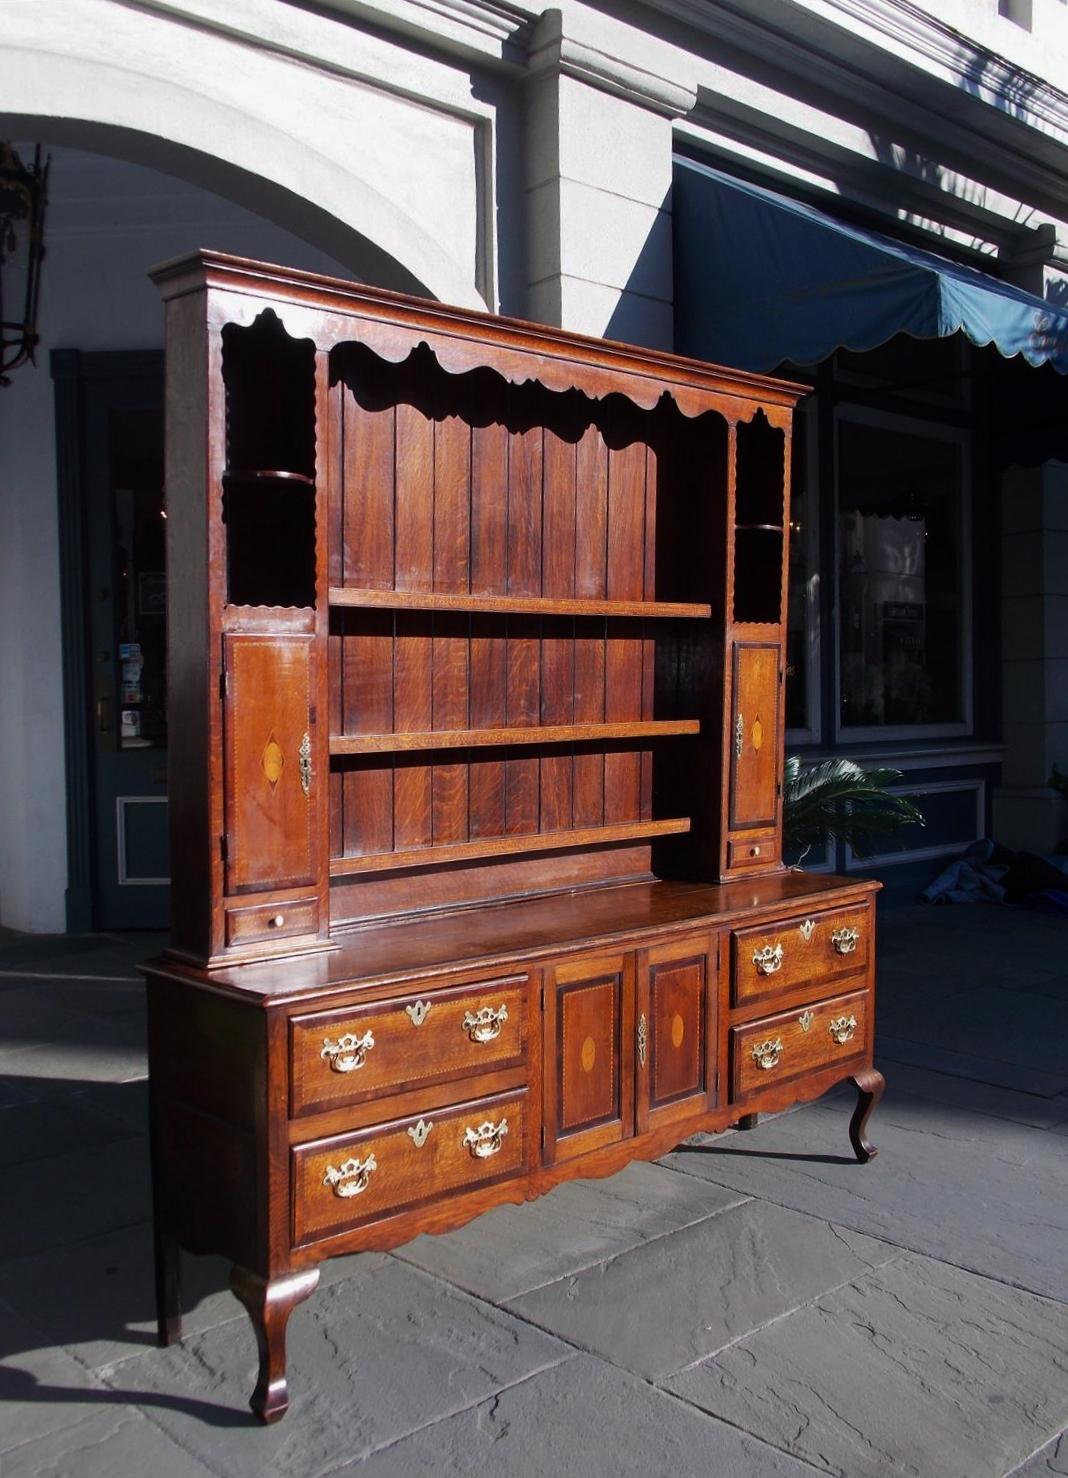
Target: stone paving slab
[917,1368]
[117,1442]
[1050,1461]
[42,1389]
[85,1050]
[927,1085]
[372,1357]
[979,1068]
[984,1020]
[667,1303]
[580,1418]
[978,1192]
[30,1132]
[513,1249]
[39,1207]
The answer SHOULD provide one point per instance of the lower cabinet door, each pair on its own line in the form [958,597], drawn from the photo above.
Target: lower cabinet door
[675,1032]
[589,1054]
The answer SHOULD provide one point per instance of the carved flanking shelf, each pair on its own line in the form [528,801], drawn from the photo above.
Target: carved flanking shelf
[476,674]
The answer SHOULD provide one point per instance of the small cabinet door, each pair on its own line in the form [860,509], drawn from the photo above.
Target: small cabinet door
[269,784]
[675,1033]
[755,738]
[589,1022]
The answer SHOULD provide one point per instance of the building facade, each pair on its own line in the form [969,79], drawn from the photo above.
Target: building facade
[493,153]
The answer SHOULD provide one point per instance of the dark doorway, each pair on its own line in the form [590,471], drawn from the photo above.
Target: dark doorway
[109,425]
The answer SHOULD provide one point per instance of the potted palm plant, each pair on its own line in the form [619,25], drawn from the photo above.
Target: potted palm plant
[838,798]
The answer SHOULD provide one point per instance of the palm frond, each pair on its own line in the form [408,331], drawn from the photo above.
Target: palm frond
[838,798]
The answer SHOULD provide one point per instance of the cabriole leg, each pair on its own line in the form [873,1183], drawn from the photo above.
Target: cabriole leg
[269,1303]
[869,1085]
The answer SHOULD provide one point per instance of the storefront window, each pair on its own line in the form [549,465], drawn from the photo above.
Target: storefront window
[901,562]
[802,611]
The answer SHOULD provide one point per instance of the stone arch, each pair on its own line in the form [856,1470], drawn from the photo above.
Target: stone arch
[246,157]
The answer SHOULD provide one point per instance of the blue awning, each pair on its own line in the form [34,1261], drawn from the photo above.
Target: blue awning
[760,279]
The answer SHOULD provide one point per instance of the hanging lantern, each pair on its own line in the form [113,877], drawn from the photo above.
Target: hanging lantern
[23,196]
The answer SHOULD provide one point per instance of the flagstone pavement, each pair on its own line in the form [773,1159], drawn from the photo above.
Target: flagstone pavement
[753,1304]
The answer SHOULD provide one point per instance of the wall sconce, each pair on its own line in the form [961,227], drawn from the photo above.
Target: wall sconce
[23,196]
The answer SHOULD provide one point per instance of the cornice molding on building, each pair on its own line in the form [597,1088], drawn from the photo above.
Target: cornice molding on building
[489,30]
[552,52]
[895,28]
[827,160]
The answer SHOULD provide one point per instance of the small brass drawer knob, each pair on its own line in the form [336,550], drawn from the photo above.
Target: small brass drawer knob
[843,1029]
[351,1177]
[486,1139]
[278,920]
[845,940]
[769,959]
[349,1052]
[485,1024]
[767,1054]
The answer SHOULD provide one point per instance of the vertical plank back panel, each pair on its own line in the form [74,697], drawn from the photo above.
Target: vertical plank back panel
[623,661]
[368,452]
[367,708]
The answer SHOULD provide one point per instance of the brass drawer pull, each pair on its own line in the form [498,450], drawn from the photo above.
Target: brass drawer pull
[485,1024]
[351,1177]
[418,1013]
[349,1052]
[845,940]
[769,959]
[419,1133]
[486,1139]
[766,1055]
[843,1029]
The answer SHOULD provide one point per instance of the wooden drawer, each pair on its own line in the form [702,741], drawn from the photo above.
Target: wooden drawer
[351,1179]
[819,947]
[271,921]
[339,1057]
[751,850]
[778,1048]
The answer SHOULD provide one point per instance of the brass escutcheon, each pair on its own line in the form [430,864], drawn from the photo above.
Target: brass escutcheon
[486,1139]
[643,1038]
[806,1019]
[807,929]
[349,1052]
[350,1178]
[766,1055]
[769,959]
[739,736]
[304,763]
[843,1029]
[418,1013]
[845,940]
[418,1133]
[485,1024]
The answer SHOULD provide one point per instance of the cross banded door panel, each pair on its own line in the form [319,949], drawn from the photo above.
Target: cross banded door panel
[589,1022]
[269,789]
[675,1034]
[755,737]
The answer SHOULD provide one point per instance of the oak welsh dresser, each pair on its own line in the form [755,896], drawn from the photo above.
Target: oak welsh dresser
[476,693]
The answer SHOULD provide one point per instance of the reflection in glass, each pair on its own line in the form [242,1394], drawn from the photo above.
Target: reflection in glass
[899,577]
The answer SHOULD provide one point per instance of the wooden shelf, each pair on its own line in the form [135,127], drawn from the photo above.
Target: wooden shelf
[517,605]
[257,474]
[540,841]
[530,734]
[764,528]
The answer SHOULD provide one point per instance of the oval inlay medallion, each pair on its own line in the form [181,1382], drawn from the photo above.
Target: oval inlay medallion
[589,1054]
[758,734]
[678,1030]
[272,760]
